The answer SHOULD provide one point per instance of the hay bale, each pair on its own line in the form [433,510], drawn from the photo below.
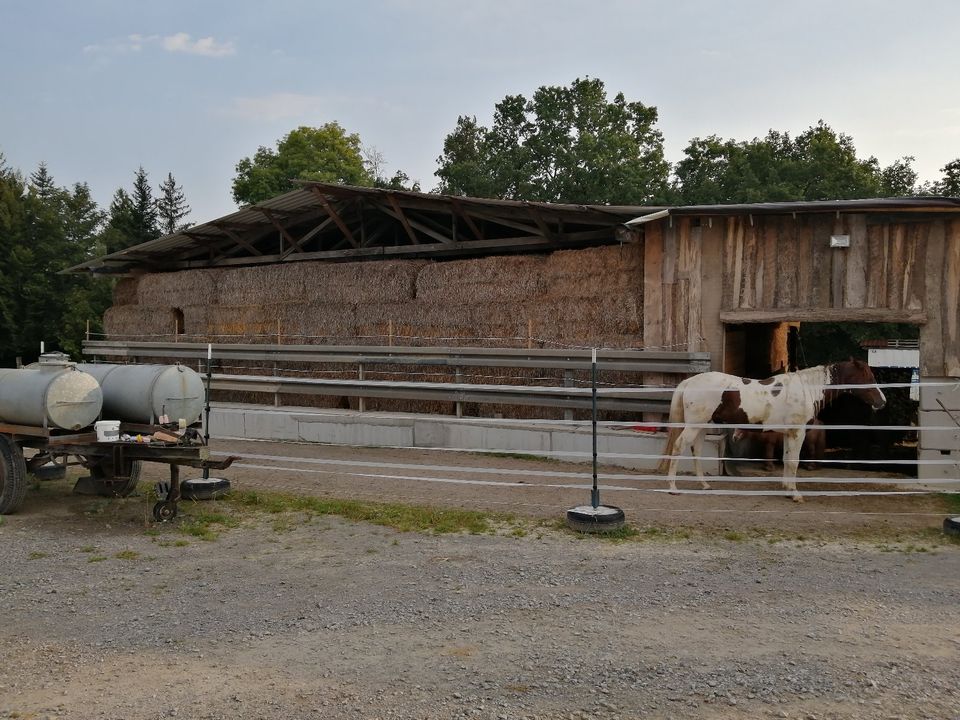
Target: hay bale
[269,284]
[133,322]
[125,291]
[594,272]
[178,289]
[481,280]
[379,281]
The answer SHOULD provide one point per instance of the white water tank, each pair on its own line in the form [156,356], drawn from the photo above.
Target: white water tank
[143,393]
[52,393]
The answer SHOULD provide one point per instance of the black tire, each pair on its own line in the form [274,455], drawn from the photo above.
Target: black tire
[602,519]
[951,526]
[204,488]
[105,483]
[13,476]
[164,511]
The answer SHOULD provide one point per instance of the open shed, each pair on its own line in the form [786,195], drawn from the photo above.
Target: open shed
[328,263]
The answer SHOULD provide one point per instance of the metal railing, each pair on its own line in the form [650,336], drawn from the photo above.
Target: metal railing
[363,357]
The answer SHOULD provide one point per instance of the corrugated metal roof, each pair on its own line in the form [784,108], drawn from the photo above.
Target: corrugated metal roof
[253,226]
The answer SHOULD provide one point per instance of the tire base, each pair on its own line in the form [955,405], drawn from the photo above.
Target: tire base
[600,519]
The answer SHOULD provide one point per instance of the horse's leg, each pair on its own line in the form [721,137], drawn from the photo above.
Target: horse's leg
[697,451]
[684,441]
[792,442]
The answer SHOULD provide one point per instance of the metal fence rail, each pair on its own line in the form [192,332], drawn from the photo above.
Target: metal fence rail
[613,360]
[363,357]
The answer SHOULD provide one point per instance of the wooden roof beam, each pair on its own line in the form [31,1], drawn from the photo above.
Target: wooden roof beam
[336,216]
[398,213]
[233,236]
[465,216]
[271,216]
[419,226]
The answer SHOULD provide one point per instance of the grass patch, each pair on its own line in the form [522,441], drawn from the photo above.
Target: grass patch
[96,558]
[88,549]
[405,518]
[206,523]
[37,555]
[127,555]
[519,456]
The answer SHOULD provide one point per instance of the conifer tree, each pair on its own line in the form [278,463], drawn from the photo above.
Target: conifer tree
[172,207]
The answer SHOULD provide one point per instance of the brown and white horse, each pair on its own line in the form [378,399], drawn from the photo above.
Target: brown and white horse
[786,402]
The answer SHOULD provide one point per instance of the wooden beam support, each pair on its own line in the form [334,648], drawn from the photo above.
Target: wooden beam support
[233,236]
[331,211]
[465,216]
[398,213]
[269,214]
[419,226]
[885,315]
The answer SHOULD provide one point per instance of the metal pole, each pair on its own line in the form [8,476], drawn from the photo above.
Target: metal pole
[206,424]
[595,493]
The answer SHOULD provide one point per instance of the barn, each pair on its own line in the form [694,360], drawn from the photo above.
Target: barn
[330,264]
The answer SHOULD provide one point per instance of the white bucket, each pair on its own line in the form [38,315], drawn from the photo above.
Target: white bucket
[107,430]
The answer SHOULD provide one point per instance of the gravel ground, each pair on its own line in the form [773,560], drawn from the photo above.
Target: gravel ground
[107,616]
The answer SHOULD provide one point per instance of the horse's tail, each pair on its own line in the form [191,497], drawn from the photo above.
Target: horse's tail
[676,417]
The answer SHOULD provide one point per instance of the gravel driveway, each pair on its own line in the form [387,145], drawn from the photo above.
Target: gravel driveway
[107,616]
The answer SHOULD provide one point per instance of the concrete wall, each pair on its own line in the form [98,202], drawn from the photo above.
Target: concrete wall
[344,427]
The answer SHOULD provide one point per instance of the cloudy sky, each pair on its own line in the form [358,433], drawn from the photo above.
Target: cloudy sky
[96,88]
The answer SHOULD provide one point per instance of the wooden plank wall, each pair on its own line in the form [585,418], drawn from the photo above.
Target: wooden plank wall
[782,268]
[777,262]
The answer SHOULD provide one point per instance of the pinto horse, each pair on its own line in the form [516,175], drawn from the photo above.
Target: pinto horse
[785,402]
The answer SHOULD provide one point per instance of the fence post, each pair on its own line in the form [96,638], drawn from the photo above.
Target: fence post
[568,382]
[362,403]
[458,378]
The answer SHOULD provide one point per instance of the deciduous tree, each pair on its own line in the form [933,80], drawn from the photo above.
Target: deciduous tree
[565,144]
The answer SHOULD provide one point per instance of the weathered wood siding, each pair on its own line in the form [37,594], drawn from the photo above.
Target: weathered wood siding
[701,273]
[777,263]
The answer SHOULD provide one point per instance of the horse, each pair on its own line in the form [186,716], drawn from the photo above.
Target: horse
[786,402]
[771,442]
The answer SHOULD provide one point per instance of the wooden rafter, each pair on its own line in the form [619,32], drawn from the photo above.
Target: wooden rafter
[331,211]
[398,213]
[235,237]
[419,226]
[269,214]
[538,219]
[459,210]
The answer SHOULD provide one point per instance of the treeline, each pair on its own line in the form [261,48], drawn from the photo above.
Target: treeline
[570,144]
[45,228]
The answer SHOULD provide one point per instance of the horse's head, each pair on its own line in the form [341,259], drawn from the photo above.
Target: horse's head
[858,373]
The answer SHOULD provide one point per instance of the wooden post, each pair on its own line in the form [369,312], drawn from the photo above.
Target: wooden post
[390,331]
[529,334]
[568,382]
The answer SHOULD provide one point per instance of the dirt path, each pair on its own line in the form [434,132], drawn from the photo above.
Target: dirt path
[107,616]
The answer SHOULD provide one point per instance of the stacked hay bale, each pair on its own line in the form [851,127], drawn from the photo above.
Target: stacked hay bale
[580,298]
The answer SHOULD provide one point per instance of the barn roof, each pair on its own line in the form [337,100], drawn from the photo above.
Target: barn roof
[322,221]
[340,222]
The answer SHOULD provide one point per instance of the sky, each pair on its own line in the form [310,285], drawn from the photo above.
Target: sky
[97,88]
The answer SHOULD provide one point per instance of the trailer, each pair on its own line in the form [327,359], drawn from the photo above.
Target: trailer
[114,465]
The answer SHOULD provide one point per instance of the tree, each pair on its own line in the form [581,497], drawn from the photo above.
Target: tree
[818,164]
[565,144]
[172,207]
[326,154]
[950,184]
[133,217]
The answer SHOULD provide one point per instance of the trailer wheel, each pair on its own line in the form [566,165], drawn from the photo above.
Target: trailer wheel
[13,476]
[164,511]
[104,482]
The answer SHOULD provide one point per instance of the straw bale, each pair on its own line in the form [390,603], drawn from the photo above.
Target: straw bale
[178,289]
[269,284]
[594,272]
[134,322]
[125,291]
[479,280]
[376,281]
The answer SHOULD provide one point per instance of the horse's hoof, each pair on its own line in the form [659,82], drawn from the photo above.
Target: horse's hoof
[797,498]
[706,486]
